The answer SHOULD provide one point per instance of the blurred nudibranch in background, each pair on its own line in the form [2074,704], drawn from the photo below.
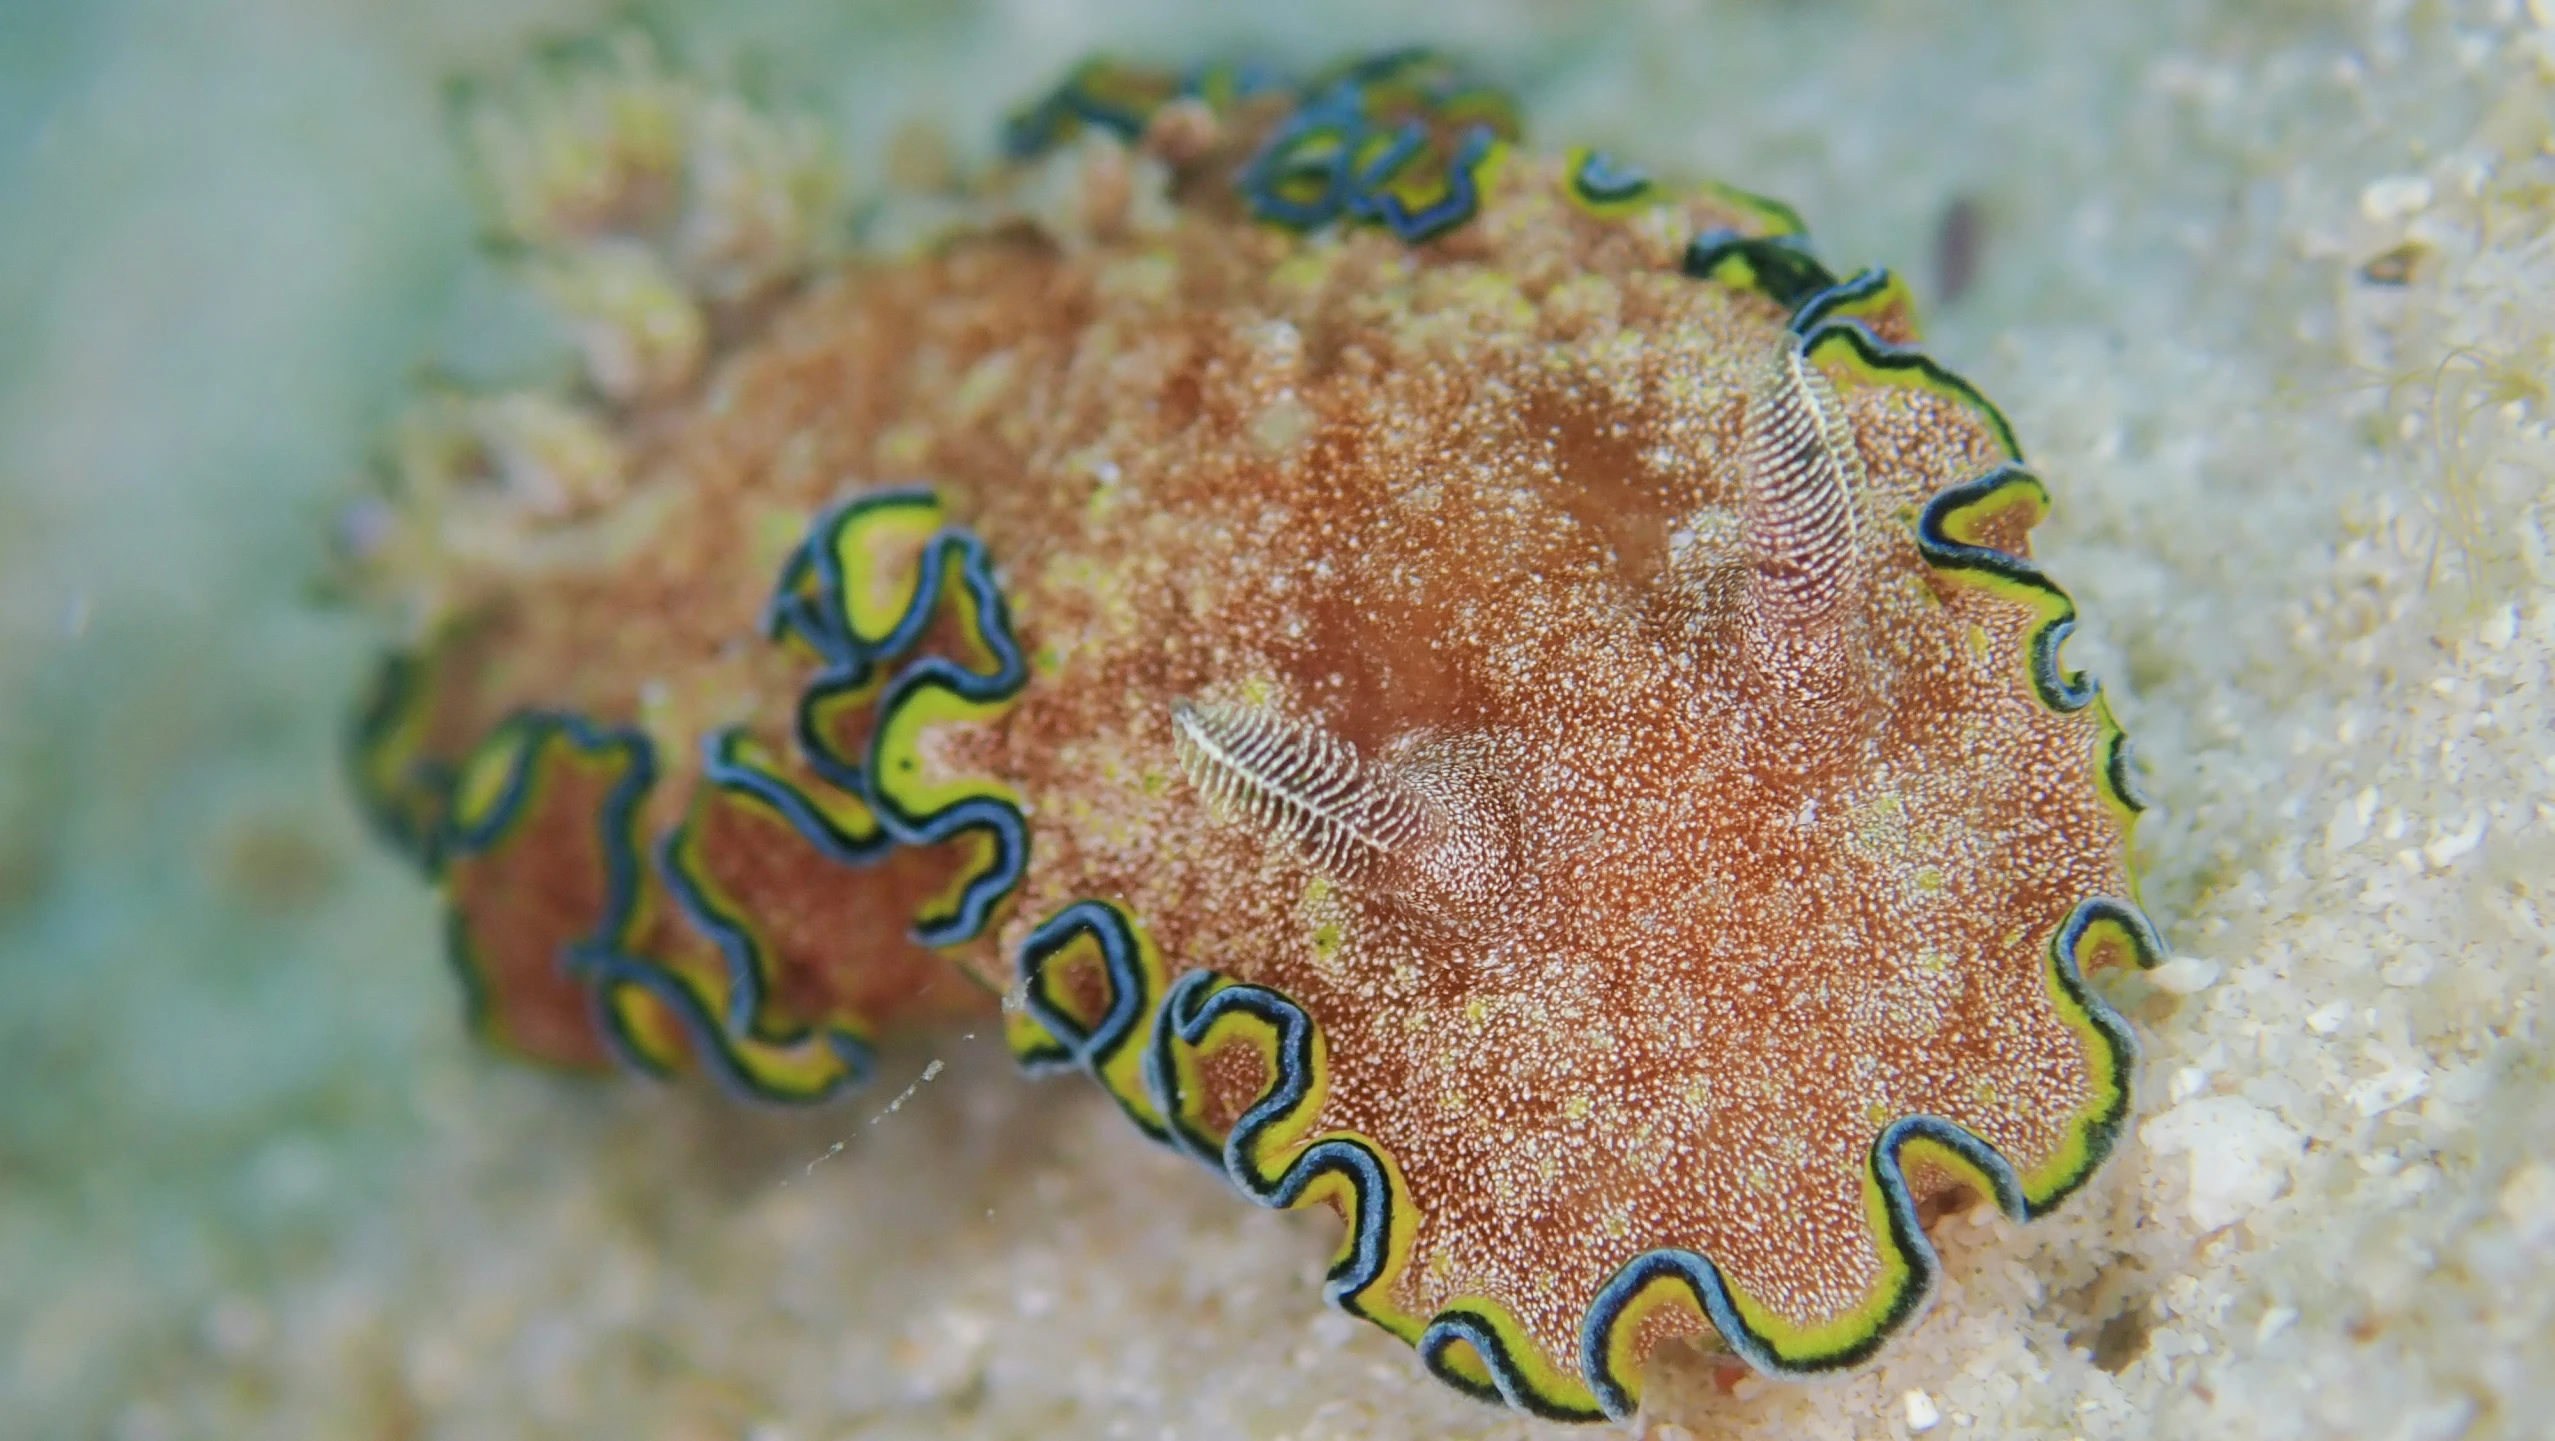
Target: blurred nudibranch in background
[1476,688]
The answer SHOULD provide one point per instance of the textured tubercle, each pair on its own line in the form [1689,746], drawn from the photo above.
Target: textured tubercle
[1300,787]
[1801,471]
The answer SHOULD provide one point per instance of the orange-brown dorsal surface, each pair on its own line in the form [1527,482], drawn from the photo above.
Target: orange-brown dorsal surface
[1472,688]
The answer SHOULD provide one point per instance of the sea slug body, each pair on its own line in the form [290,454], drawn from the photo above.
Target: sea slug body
[1486,692]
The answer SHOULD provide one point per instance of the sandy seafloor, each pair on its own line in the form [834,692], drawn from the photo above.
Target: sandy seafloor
[254,1181]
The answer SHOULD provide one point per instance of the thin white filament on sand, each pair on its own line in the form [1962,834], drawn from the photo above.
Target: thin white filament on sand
[930,1072]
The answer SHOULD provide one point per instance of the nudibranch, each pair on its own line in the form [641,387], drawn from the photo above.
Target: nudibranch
[1487,692]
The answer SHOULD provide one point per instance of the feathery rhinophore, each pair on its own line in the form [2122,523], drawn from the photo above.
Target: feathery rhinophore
[1801,472]
[1299,786]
